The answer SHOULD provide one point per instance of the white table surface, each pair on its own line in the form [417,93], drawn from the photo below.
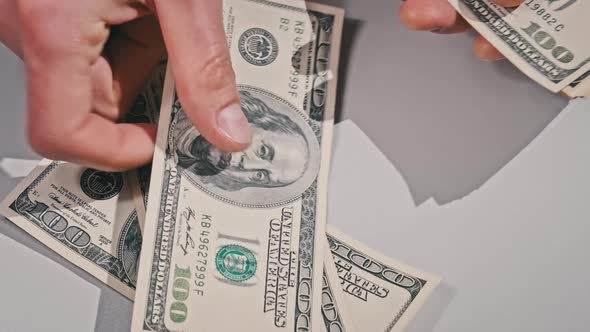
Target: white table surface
[445,119]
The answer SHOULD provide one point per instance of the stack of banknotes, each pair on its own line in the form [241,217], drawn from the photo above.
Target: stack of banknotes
[204,240]
[545,39]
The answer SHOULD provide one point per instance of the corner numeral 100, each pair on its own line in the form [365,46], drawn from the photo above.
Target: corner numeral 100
[180,291]
[58,224]
[547,42]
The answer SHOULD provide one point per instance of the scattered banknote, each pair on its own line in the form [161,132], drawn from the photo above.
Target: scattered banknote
[229,245]
[382,294]
[546,39]
[85,215]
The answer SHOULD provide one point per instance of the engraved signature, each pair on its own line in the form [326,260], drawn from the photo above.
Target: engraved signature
[187,215]
[75,210]
[55,197]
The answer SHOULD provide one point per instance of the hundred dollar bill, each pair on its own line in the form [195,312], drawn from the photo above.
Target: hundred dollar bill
[383,294]
[85,215]
[234,241]
[334,314]
[546,39]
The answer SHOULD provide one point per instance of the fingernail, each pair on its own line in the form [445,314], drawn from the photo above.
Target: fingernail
[234,124]
[435,30]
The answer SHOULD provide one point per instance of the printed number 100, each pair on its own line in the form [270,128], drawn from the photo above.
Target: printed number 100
[180,291]
[546,41]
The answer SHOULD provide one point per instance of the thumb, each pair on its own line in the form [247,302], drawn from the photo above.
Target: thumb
[201,65]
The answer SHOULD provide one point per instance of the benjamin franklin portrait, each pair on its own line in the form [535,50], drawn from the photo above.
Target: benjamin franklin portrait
[281,162]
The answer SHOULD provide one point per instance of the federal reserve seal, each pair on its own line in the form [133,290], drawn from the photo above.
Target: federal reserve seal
[235,263]
[101,185]
[258,46]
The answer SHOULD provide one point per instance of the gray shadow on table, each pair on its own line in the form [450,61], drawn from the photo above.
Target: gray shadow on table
[446,120]
[114,312]
[521,124]
[434,308]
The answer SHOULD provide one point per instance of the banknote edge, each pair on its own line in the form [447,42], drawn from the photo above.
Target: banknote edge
[327,137]
[402,318]
[149,235]
[334,284]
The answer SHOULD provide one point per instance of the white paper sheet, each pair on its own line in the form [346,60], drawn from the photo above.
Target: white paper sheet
[17,168]
[39,295]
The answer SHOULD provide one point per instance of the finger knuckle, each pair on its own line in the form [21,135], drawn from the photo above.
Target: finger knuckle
[216,72]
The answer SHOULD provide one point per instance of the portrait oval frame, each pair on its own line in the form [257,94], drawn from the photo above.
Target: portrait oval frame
[265,197]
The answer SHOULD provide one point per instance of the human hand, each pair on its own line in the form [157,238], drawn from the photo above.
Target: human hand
[440,17]
[86,60]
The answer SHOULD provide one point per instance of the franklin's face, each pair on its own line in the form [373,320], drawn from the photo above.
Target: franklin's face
[273,159]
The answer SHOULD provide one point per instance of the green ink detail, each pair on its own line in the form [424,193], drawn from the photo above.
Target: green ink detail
[178,312]
[235,263]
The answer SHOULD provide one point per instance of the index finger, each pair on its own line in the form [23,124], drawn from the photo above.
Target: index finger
[60,45]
